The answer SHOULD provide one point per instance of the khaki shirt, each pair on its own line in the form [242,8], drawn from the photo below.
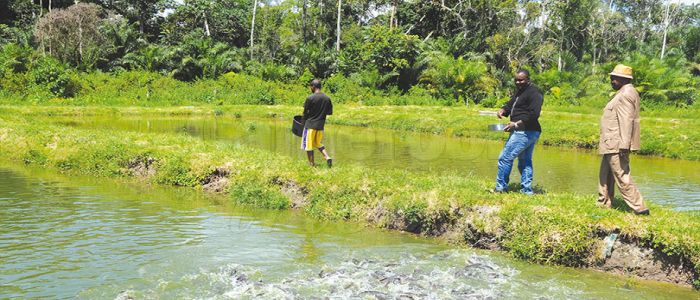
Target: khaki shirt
[619,126]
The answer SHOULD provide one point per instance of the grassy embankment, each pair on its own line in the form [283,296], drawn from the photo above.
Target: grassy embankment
[561,229]
[663,133]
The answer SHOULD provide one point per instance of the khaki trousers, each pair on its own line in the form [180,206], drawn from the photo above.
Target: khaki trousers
[615,167]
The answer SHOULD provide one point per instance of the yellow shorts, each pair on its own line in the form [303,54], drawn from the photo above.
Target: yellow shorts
[311,138]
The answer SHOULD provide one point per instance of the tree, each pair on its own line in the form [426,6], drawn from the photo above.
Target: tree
[72,34]
[252,27]
[670,13]
[121,39]
[224,20]
[564,23]
[139,11]
[460,79]
[337,31]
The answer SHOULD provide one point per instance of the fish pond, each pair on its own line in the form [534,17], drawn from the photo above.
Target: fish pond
[73,237]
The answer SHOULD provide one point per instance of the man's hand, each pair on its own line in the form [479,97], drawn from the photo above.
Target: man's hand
[511,125]
[500,113]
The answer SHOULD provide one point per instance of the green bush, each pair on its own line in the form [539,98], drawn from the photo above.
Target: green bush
[48,72]
[305,77]
[271,71]
[459,80]
[346,90]
[14,59]
[247,191]
[664,82]
[176,171]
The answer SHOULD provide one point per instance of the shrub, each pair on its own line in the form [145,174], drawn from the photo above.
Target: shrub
[346,89]
[459,80]
[177,171]
[49,72]
[14,59]
[664,82]
[305,77]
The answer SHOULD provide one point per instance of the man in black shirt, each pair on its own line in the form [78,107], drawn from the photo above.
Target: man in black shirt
[317,106]
[524,111]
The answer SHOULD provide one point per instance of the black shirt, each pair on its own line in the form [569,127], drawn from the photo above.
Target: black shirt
[525,106]
[316,108]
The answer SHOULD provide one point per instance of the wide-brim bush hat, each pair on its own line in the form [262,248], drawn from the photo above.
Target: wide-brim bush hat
[622,71]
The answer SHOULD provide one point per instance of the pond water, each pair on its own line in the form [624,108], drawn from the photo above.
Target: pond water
[675,183]
[85,238]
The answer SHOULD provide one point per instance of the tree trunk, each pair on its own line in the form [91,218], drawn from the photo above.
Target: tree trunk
[321,6]
[206,24]
[666,25]
[252,27]
[337,40]
[80,42]
[414,25]
[559,62]
[49,5]
[393,14]
[303,21]
[594,51]
[142,16]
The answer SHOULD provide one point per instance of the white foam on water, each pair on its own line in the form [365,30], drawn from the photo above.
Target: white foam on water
[446,275]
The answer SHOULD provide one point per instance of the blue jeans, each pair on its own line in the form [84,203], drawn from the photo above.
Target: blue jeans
[520,145]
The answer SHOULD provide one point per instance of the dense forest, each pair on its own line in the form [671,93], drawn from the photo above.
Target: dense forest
[424,52]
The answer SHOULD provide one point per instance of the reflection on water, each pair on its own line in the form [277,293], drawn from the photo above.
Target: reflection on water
[81,238]
[665,181]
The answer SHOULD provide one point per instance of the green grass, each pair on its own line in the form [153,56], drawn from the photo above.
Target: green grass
[561,229]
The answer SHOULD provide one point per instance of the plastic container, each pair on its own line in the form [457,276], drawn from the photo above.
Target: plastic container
[298,126]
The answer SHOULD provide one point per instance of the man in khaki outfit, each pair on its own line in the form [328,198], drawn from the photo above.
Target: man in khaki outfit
[619,134]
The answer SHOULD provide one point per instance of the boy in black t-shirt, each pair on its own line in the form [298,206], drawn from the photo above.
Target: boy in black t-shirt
[317,106]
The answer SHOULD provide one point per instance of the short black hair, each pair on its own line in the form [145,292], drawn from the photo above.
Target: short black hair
[316,84]
[522,71]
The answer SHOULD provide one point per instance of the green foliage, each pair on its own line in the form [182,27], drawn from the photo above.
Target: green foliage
[460,80]
[387,55]
[445,46]
[252,193]
[272,72]
[320,62]
[52,74]
[221,59]
[34,156]
[306,77]
[414,215]
[664,82]
[14,59]
[150,58]
[15,35]
[547,237]
[347,90]
[188,70]
[122,43]
[692,44]
[251,90]
[176,170]
[559,87]
[228,21]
